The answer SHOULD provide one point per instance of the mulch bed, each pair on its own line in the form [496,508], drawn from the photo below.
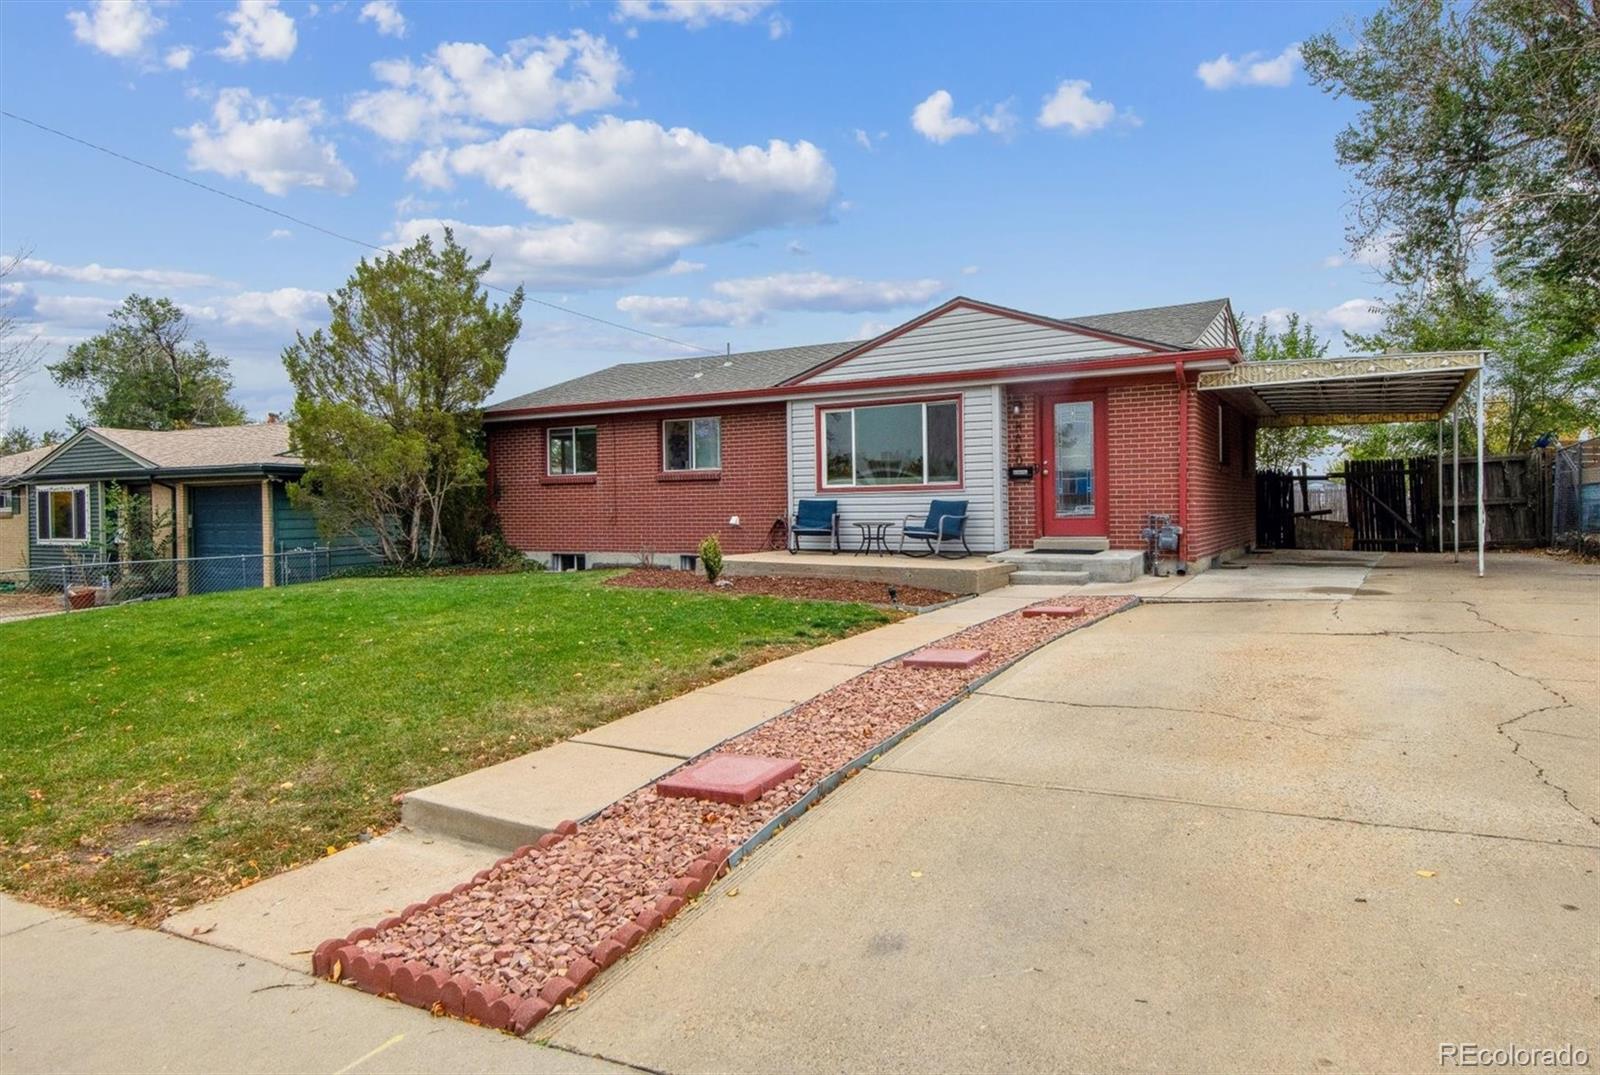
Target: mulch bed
[528,934]
[805,589]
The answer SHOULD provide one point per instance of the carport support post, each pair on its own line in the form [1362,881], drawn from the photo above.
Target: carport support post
[1483,523]
[1455,481]
[1439,473]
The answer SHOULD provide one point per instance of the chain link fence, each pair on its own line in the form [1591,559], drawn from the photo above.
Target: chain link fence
[1575,518]
[95,582]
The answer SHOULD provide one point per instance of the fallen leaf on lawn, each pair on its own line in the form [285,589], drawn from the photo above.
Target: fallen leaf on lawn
[332,850]
[286,785]
[1427,873]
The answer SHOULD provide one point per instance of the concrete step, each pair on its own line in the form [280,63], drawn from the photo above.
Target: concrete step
[1072,544]
[1050,578]
[1111,565]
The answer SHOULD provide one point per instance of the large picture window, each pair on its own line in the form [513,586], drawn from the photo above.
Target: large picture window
[691,444]
[892,444]
[62,514]
[572,450]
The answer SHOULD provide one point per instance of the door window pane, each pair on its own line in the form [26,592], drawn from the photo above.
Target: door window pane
[1074,460]
[889,445]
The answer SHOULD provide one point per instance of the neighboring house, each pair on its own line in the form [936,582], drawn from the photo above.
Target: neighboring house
[222,488]
[14,509]
[1073,429]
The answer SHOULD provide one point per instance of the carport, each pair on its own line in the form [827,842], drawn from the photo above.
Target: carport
[1365,390]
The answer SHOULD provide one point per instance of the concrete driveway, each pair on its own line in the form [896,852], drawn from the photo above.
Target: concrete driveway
[1251,835]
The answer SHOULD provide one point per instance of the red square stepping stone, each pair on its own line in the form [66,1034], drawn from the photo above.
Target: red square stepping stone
[1054,610]
[728,778]
[945,658]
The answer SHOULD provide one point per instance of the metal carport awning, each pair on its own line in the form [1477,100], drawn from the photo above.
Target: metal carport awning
[1362,390]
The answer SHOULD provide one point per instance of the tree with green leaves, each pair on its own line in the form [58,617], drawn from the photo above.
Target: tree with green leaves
[1286,449]
[388,396]
[1477,137]
[145,372]
[22,439]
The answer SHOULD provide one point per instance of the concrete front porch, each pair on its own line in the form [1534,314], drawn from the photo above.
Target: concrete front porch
[973,574]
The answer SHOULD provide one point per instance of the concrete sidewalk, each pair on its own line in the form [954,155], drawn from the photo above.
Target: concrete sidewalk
[79,996]
[456,828]
[1285,835]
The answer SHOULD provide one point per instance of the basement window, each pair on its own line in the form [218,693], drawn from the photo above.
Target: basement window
[688,562]
[569,561]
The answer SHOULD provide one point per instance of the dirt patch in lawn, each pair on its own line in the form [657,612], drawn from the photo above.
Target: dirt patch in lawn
[799,588]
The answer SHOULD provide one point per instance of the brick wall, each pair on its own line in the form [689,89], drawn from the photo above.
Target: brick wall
[631,504]
[1142,461]
[1222,495]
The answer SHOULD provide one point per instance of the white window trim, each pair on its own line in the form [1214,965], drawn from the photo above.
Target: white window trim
[852,408]
[88,509]
[549,434]
[694,462]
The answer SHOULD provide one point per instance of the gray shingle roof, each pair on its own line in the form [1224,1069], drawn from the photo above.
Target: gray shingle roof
[681,377]
[1180,325]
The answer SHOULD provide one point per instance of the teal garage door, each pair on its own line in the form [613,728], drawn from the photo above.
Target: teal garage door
[225,537]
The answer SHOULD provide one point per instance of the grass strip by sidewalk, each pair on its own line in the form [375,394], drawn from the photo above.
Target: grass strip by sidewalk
[157,755]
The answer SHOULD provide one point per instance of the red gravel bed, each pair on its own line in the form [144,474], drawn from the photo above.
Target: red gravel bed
[795,586]
[526,935]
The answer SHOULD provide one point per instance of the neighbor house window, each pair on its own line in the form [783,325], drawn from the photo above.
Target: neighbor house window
[691,444]
[892,444]
[572,450]
[63,513]
[7,504]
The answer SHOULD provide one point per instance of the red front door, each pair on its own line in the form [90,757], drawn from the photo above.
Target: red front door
[1072,492]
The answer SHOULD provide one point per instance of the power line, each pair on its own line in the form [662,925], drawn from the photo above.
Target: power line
[219,192]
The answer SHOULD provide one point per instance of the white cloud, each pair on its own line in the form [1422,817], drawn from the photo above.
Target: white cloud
[821,292]
[935,120]
[1071,106]
[748,300]
[678,312]
[248,140]
[537,79]
[777,27]
[631,195]
[116,27]
[280,233]
[694,14]
[385,15]
[1251,69]
[1352,315]
[797,248]
[577,255]
[258,31]
[872,329]
[94,273]
[863,139]
[681,267]
[1373,255]
[969,270]
[178,57]
[999,120]
[288,307]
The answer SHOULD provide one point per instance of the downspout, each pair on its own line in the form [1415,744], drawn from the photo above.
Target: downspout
[1183,462]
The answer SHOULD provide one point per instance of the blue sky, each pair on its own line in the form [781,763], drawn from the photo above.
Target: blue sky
[760,174]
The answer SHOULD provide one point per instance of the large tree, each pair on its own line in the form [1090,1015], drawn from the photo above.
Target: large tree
[1478,143]
[388,397]
[145,372]
[22,439]
[1286,449]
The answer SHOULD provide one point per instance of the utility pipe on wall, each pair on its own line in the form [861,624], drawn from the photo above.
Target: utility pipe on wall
[1183,462]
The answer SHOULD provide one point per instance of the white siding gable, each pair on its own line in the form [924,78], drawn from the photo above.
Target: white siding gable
[982,472]
[1219,333]
[968,339]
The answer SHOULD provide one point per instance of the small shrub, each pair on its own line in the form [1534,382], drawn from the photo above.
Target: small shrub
[711,558]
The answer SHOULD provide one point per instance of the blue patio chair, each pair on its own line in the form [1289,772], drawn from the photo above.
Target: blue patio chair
[946,521]
[814,518]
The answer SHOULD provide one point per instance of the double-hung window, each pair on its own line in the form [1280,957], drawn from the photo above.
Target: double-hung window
[691,444]
[62,514]
[892,444]
[573,450]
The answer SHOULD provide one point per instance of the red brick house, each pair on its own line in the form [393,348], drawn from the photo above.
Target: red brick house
[1070,429]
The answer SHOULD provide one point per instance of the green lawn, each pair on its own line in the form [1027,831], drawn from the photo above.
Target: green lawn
[155,755]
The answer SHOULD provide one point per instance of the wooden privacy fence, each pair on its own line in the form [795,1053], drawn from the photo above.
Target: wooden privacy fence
[1394,505]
